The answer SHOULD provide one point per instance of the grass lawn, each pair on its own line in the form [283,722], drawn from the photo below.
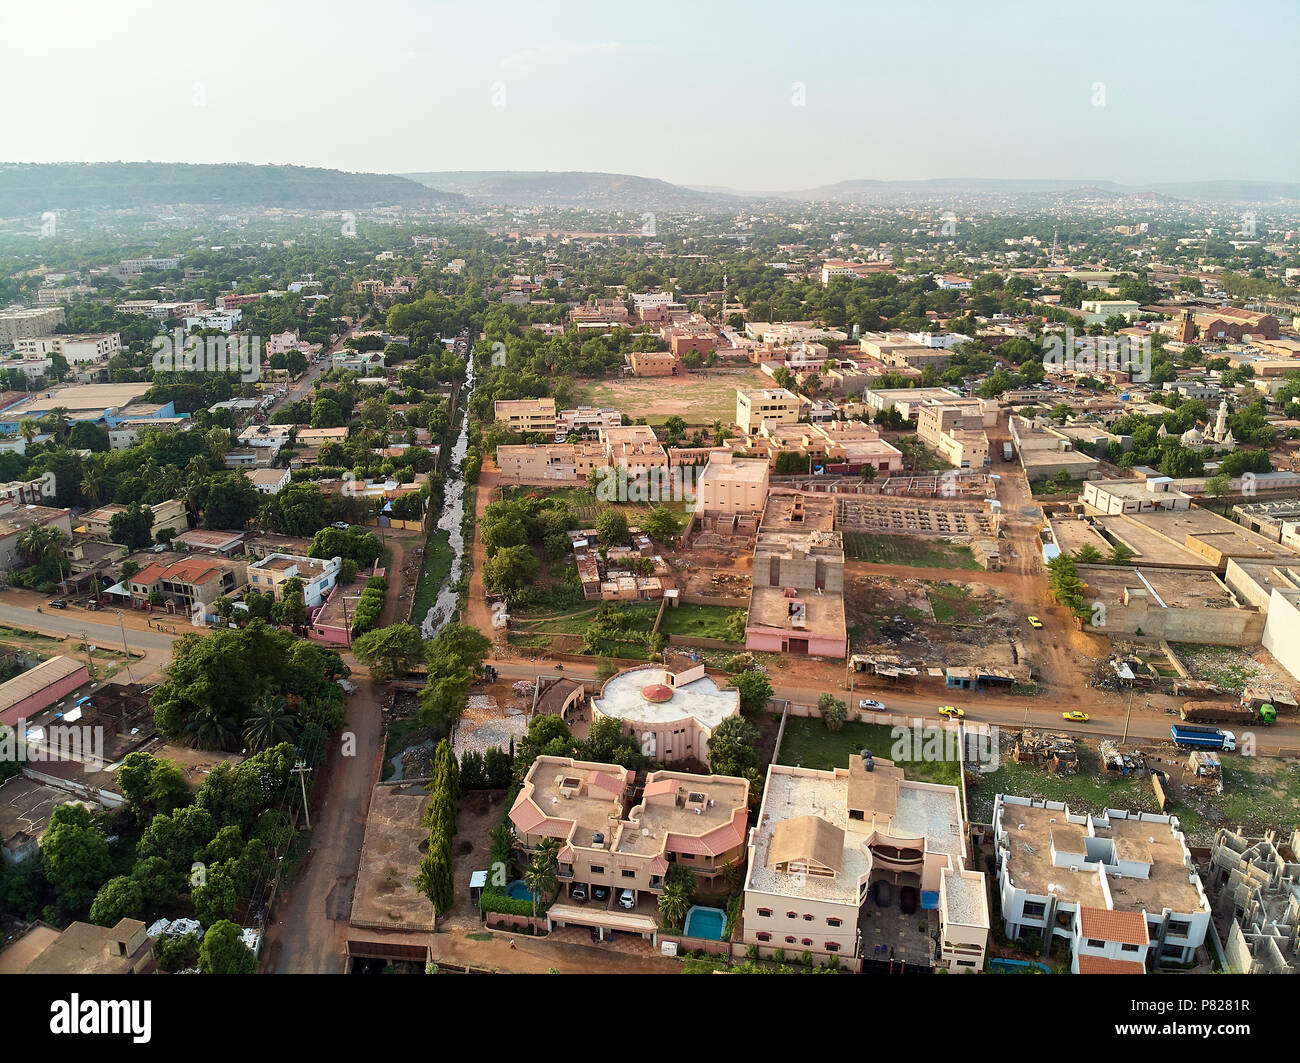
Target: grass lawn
[700,621]
[884,549]
[809,744]
[1091,790]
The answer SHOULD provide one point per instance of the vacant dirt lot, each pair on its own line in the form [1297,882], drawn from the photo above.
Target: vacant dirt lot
[699,399]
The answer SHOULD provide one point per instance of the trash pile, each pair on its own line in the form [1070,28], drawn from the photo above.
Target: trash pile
[1056,752]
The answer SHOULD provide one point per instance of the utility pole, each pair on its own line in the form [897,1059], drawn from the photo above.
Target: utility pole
[126,649]
[1128,715]
[347,623]
[300,769]
[85,645]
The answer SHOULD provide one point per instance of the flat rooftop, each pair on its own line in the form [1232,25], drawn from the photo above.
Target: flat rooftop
[792,511]
[571,800]
[1032,830]
[1176,588]
[965,898]
[823,614]
[385,896]
[25,808]
[704,814]
[625,698]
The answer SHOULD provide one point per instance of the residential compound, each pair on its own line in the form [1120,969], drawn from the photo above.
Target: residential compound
[620,837]
[671,710]
[823,840]
[796,604]
[1119,888]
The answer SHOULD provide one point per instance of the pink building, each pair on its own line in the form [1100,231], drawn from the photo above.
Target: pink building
[37,688]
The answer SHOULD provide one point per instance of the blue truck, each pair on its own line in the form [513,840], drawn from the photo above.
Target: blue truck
[1202,737]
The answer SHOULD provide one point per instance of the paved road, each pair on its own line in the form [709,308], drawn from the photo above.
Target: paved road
[103,630]
[1147,724]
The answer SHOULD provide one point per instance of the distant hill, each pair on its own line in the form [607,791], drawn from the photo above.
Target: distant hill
[1044,191]
[27,188]
[592,191]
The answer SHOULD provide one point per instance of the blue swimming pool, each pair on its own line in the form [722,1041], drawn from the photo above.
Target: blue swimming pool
[519,891]
[998,965]
[705,923]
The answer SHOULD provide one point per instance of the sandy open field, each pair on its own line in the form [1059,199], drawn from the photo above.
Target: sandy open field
[699,399]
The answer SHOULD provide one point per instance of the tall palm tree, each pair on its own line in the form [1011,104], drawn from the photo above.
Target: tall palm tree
[673,904]
[28,429]
[41,543]
[91,487]
[270,724]
[211,730]
[541,877]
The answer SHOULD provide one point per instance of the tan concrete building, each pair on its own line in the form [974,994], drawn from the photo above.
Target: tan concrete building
[655,363]
[527,415]
[775,405]
[167,516]
[732,485]
[538,464]
[82,949]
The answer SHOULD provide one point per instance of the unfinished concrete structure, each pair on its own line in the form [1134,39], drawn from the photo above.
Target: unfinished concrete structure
[1184,605]
[797,601]
[904,517]
[1256,884]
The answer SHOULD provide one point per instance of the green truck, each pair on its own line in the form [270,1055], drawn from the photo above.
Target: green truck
[1226,712]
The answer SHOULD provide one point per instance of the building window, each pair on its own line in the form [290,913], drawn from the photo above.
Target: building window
[628,874]
[834,922]
[832,946]
[1128,948]
[763,935]
[1093,943]
[807,943]
[792,915]
[1179,928]
[1034,910]
[789,940]
[597,870]
[765,913]
[808,916]
[965,963]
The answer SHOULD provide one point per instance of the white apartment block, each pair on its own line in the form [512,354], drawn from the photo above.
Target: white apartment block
[587,421]
[1119,887]
[88,347]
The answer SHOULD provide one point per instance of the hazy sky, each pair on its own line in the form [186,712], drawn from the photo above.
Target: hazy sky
[703,93]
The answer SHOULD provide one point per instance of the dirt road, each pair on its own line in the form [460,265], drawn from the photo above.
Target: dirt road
[311,923]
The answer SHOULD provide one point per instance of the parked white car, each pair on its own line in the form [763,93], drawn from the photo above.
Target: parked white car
[627,899]
[871,703]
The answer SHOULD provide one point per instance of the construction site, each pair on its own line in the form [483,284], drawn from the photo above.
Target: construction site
[1254,893]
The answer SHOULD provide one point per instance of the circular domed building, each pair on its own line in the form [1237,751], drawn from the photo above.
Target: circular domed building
[671,710]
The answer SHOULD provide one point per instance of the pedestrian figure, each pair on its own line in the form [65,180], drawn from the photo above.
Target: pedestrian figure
[512,943]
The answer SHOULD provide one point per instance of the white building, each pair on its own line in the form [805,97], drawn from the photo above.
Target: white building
[89,347]
[1120,887]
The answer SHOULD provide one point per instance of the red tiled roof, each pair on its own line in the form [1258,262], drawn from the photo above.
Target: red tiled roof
[1102,965]
[1128,928]
[604,781]
[188,570]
